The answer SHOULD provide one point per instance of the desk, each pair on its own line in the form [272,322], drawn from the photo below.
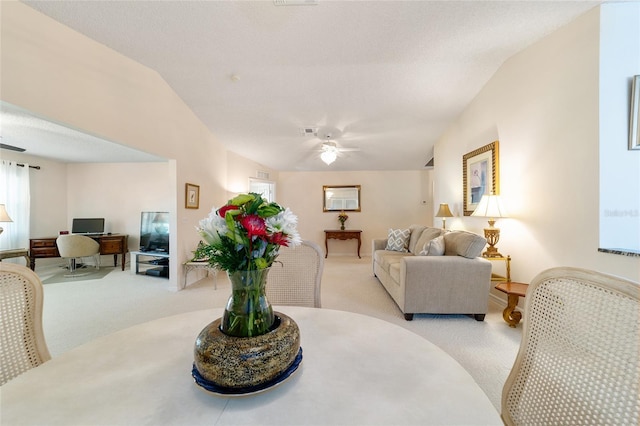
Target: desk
[355,370]
[21,252]
[339,234]
[114,244]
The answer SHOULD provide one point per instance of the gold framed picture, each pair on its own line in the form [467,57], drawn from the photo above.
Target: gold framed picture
[480,175]
[192,196]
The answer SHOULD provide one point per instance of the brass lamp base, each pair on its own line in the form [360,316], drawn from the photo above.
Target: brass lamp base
[492,234]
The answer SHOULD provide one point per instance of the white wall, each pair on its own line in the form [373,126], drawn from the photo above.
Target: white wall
[48,193]
[619,167]
[542,105]
[389,199]
[61,75]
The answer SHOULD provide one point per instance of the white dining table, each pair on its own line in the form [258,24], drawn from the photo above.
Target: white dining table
[356,370]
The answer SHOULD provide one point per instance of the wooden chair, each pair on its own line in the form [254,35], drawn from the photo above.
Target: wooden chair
[296,275]
[22,343]
[578,359]
[72,247]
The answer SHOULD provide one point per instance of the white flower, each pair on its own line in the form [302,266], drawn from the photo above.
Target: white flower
[285,222]
[212,227]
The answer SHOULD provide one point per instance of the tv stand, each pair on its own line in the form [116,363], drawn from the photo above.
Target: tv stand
[152,263]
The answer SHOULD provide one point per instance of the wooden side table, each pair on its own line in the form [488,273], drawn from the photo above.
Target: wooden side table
[514,292]
[507,276]
[339,234]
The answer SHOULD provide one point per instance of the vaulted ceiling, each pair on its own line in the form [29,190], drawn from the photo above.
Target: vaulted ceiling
[272,82]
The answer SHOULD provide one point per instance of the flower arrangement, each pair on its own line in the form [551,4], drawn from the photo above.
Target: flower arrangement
[342,217]
[246,233]
[243,237]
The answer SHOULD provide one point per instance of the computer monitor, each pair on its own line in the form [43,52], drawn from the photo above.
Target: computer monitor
[154,232]
[87,226]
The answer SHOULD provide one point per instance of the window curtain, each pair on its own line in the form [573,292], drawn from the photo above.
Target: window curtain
[15,195]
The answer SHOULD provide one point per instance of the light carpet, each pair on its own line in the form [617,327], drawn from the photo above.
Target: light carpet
[80,311]
[82,274]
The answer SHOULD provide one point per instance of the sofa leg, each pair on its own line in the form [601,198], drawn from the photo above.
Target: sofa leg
[408,317]
[479,317]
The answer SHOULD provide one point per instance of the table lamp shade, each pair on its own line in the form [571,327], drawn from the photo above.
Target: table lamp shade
[444,213]
[4,216]
[491,206]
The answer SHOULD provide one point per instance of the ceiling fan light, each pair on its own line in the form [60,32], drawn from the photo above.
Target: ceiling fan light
[328,156]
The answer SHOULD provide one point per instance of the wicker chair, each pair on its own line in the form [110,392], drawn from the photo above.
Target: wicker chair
[72,247]
[296,275]
[22,344]
[578,359]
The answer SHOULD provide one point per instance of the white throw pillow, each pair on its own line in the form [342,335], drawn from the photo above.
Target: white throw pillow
[434,247]
[398,239]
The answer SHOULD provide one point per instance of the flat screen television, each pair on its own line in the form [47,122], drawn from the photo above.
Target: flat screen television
[87,226]
[154,232]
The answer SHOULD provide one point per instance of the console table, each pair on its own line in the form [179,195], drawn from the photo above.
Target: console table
[338,234]
[114,244]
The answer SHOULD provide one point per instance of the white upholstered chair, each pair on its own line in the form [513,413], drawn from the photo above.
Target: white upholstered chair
[22,343]
[296,275]
[72,247]
[578,359]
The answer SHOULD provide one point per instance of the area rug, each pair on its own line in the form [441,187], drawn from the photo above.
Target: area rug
[84,274]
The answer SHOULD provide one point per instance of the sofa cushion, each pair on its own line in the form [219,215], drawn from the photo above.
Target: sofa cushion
[398,240]
[434,247]
[427,235]
[416,231]
[384,258]
[463,243]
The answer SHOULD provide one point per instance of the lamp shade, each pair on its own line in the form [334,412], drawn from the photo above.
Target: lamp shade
[444,211]
[490,206]
[4,216]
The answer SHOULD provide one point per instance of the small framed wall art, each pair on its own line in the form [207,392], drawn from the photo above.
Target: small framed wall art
[480,175]
[192,196]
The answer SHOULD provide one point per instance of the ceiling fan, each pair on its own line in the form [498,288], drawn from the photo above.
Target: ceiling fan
[329,150]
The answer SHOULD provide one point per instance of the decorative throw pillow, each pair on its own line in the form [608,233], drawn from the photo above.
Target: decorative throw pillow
[427,235]
[398,239]
[463,243]
[434,247]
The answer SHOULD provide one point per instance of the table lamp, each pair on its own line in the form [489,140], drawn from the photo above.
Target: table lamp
[4,216]
[444,213]
[490,206]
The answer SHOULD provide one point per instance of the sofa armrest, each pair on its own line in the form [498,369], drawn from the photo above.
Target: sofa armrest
[445,278]
[378,244]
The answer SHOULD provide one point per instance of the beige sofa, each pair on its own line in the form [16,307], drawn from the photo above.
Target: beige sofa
[456,282]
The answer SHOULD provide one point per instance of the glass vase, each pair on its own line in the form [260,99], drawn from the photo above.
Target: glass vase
[248,312]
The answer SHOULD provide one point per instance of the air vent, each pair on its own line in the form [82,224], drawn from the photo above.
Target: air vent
[309,131]
[262,174]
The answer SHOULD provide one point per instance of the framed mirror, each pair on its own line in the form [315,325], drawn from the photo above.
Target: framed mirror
[341,198]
